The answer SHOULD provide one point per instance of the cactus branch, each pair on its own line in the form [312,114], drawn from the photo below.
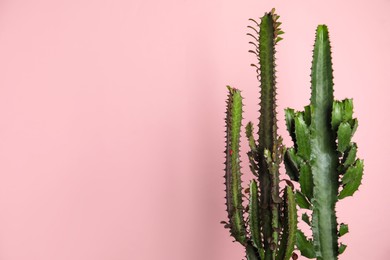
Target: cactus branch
[267,135]
[233,169]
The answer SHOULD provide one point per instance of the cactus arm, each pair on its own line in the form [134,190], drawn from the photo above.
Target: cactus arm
[324,157]
[254,218]
[249,135]
[289,225]
[302,132]
[290,123]
[289,230]
[352,179]
[232,170]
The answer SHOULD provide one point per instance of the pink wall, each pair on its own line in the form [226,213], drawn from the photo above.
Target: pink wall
[111,121]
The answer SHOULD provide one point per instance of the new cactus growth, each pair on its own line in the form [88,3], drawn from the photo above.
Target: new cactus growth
[268,231]
[323,158]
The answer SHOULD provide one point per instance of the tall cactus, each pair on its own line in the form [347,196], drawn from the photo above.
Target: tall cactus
[323,158]
[268,231]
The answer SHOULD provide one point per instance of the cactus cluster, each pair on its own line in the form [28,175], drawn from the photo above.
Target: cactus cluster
[268,231]
[322,161]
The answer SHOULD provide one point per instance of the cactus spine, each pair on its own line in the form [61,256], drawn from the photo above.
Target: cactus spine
[323,158]
[268,233]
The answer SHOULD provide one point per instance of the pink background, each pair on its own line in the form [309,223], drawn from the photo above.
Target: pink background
[112,121]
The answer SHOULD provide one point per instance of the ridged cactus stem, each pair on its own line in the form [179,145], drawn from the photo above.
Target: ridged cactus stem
[324,156]
[269,183]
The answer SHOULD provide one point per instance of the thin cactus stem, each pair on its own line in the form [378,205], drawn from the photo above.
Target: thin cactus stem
[233,169]
[267,135]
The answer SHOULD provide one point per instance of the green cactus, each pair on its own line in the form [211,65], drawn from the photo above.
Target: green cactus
[323,158]
[268,231]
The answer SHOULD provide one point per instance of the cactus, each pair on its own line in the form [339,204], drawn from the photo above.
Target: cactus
[323,158]
[268,231]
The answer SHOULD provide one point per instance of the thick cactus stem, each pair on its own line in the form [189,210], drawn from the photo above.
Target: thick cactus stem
[254,215]
[324,156]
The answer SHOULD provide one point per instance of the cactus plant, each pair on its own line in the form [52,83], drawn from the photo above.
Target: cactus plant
[323,158]
[268,231]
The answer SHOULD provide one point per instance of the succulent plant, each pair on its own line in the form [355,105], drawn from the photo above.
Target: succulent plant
[323,160]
